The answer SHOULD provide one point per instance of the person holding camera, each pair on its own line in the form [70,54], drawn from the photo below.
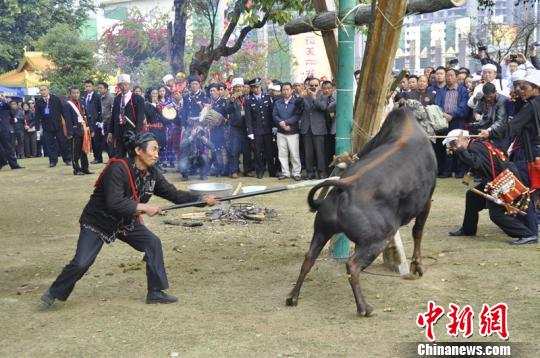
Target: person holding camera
[195,148]
[313,127]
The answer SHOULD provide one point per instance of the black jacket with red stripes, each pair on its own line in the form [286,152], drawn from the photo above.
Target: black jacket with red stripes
[112,205]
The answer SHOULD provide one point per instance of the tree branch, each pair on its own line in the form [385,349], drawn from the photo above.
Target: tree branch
[238,8]
[227,51]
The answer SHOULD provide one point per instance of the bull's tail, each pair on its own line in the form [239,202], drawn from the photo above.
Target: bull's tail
[314,204]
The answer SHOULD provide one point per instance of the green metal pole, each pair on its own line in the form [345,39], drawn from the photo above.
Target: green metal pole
[345,99]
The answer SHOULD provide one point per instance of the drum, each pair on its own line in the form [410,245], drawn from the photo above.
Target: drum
[169,113]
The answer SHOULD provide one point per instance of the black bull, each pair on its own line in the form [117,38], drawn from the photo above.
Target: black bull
[391,183]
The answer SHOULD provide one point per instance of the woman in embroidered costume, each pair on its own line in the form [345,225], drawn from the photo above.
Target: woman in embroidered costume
[156,124]
[114,211]
[165,100]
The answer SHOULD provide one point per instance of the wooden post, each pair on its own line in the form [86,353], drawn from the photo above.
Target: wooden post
[329,39]
[325,21]
[378,61]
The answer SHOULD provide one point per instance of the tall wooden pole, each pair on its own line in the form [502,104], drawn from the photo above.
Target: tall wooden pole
[377,65]
[329,39]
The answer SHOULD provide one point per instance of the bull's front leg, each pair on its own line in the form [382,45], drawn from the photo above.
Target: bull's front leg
[317,243]
[418,232]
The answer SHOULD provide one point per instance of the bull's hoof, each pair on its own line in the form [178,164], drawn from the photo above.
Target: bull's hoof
[417,269]
[366,312]
[291,301]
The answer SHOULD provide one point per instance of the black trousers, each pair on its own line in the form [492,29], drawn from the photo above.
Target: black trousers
[512,226]
[88,247]
[98,141]
[264,154]
[315,149]
[78,155]
[18,142]
[7,154]
[56,144]
[330,149]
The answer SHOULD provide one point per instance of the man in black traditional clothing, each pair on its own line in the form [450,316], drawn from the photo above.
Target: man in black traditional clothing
[120,197]
[484,162]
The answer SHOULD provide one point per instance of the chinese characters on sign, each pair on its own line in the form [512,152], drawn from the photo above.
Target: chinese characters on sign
[491,320]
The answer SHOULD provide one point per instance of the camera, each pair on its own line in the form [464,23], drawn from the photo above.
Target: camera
[453,62]
[513,58]
[536,44]
[482,48]
[313,89]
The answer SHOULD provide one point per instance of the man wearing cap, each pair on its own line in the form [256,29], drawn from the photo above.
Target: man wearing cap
[217,133]
[49,114]
[238,140]
[180,82]
[168,81]
[193,103]
[486,165]
[259,123]
[298,86]
[127,115]
[489,73]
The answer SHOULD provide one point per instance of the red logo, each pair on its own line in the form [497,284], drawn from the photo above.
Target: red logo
[491,320]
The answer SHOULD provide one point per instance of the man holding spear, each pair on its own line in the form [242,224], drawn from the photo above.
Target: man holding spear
[114,211]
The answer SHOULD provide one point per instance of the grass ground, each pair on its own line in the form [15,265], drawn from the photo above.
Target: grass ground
[232,281]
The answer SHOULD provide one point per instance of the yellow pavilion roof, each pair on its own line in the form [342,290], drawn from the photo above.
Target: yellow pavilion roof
[29,73]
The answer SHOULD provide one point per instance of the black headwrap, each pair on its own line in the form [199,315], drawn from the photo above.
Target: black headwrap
[133,140]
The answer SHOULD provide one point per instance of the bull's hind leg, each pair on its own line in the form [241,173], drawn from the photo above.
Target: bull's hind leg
[317,243]
[363,256]
[417,232]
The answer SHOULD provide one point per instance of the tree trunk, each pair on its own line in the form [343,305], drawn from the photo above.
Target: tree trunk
[379,58]
[201,62]
[328,20]
[177,36]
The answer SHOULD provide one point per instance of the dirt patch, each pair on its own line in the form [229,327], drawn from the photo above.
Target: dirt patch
[232,281]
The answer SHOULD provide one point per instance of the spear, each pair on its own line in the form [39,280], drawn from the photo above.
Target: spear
[304,184]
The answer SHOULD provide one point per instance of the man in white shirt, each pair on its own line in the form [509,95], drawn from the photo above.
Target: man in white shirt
[489,73]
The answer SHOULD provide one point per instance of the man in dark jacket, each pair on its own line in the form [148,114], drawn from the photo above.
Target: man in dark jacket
[7,154]
[120,197]
[127,115]
[92,106]
[49,114]
[238,140]
[259,122]
[491,109]
[313,127]
[79,126]
[16,122]
[487,166]
[286,119]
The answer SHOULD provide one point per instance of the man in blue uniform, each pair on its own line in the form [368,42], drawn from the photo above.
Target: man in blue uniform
[259,123]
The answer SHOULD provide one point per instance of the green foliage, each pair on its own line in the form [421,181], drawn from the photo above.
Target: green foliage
[151,72]
[129,43]
[23,22]
[74,59]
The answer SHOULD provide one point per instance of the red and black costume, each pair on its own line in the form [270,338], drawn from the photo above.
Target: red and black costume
[111,214]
